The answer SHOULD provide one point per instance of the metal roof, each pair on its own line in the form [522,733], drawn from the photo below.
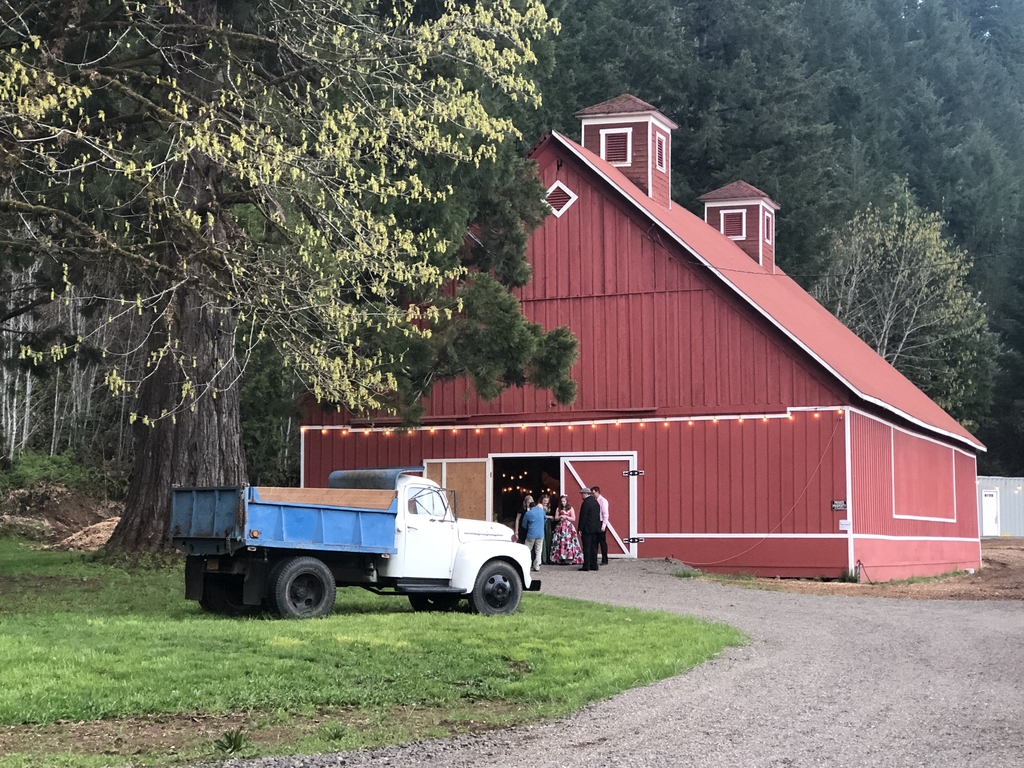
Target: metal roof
[781,301]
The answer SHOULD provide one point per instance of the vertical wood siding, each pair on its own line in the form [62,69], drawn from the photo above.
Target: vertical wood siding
[755,476]
[655,332]
[636,171]
[899,478]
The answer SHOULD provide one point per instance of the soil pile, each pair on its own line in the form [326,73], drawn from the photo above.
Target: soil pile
[50,513]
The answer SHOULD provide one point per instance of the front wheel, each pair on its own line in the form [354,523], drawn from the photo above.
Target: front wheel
[433,601]
[303,588]
[498,590]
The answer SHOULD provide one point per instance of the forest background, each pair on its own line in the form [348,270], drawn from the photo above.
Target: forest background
[852,114]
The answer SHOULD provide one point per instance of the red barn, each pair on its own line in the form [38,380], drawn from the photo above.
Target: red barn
[732,422]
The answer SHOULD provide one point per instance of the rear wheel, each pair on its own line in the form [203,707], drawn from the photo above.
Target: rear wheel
[498,590]
[433,601]
[223,595]
[303,588]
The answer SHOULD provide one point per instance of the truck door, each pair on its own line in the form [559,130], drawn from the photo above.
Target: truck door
[430,535]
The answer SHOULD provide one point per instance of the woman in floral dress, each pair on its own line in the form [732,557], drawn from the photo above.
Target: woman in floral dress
[565,541]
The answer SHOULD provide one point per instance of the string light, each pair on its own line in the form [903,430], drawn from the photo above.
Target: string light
[478,430]
[665,423]
[741,421]
[432,430]
[323,431]
[690,422]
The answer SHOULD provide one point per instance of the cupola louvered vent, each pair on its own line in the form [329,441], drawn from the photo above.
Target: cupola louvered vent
[560,198]
[734,224]
[616,147]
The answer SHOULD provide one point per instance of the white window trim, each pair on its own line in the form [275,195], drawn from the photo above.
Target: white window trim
[660,142]
[769,227]
[573,197]
[629,145]
[721,222]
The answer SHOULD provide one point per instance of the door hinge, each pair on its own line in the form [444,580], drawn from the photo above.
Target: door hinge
[632,473]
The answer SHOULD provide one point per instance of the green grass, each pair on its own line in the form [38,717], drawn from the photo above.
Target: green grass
[82,640]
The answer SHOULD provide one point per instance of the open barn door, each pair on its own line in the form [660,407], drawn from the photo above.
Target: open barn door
[615,474]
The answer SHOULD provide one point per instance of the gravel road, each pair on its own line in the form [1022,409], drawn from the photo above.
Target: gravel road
[824,681]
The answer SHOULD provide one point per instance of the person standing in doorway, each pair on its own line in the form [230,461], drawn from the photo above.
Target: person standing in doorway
[590,529]
[602,538]
[533,521]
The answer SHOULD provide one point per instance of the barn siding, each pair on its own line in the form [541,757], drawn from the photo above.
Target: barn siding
[775,476]
[636,171]
[655,332]
[899,478]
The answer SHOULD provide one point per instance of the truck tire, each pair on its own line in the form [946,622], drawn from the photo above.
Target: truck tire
[223,595]
[498,589]
[303,588]
[433,601]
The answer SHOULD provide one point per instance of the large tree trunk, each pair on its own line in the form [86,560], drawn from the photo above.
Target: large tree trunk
[202,444]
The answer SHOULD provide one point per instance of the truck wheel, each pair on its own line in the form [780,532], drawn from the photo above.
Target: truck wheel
[303,588]
[432,601]
[498,590]
[223,595]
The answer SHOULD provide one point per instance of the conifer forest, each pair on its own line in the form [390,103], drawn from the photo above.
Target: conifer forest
[211,210]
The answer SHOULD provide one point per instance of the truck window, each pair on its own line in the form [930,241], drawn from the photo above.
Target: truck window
[427,501]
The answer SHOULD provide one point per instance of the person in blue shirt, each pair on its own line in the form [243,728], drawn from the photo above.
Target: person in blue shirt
[533,521]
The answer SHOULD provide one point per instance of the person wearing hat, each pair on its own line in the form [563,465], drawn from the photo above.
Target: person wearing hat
[590,529]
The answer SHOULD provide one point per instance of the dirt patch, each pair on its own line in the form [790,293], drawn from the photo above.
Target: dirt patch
[51,513]
[163,737]
[1001,578]
[89,539]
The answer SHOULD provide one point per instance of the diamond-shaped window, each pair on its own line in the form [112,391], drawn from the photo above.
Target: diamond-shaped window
[560,198]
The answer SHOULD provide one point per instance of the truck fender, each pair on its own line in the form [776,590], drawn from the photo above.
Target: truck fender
[473,554]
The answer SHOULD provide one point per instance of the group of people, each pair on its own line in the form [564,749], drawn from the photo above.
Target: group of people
[566,546]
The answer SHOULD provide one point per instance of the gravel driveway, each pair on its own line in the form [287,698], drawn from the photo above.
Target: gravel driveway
[824,681]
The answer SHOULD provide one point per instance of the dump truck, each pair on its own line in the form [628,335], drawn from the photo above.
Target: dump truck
[286,550]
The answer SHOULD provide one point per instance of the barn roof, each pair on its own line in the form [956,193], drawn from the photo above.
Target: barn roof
[783,303]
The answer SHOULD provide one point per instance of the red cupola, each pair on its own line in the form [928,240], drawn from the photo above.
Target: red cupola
[745,215]
[636,138]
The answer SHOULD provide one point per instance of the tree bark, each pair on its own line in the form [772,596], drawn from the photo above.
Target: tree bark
[202,444]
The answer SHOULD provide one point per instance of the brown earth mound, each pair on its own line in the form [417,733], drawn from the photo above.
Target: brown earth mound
[51,513]
[89,539]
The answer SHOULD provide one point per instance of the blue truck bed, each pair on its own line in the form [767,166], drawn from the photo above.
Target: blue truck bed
[214,521]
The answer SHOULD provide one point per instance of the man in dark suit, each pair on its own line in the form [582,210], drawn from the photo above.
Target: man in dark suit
[590,529]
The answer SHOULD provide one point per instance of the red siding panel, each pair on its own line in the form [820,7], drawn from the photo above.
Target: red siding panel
[701,478]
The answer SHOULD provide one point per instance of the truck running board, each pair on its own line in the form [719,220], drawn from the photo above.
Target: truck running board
[405,589]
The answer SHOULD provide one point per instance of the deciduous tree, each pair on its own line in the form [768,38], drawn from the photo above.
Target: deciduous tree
[237,172]
[897,281]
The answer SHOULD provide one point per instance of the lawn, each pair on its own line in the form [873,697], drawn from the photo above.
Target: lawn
[157,681]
